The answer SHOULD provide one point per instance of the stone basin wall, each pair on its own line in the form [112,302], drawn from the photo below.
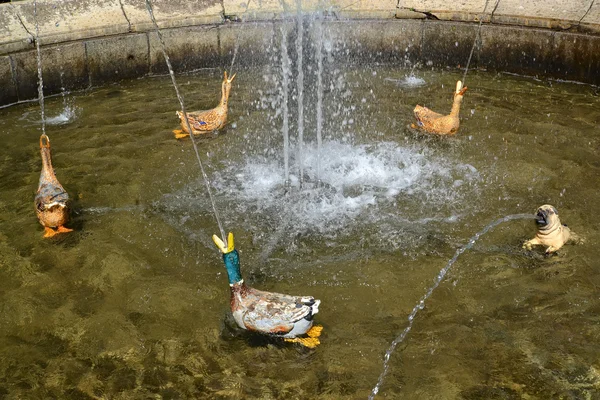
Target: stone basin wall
[88,43]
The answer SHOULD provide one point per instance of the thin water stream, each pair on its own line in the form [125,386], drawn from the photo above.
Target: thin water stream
[464,78]
[183,111]
[39,69]
[135,302]
[438,279]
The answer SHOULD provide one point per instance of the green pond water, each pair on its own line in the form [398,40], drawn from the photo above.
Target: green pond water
[134,304]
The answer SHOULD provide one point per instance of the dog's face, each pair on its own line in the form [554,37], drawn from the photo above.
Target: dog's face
[546,215]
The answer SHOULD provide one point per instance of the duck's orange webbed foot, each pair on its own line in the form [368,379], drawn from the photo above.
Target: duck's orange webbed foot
[312,340]
[309,342]
[49,232]
[315,331]
[62,229]
[179,134]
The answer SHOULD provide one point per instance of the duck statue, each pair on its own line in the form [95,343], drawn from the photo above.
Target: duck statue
[51,200]
[273,314]
[202,122]
[432,122]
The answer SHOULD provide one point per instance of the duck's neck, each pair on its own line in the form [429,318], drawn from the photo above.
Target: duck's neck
[47,170]
[224,96]
[456,106]
[232,264]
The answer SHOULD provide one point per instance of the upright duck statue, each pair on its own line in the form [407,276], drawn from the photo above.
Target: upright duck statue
[439,124]
[273,314]
[209,120]
[51,200]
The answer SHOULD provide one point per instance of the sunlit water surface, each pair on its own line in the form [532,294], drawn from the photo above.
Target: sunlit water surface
[135,302]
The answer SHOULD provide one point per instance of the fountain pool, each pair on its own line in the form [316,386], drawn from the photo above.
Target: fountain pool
[134,303]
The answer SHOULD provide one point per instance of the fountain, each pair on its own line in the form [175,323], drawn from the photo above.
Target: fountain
[357,210]
[300,89]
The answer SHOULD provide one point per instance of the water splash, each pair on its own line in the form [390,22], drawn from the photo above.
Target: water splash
[438,279]
[409,81]
[355,178]
[67,115]
[69,112]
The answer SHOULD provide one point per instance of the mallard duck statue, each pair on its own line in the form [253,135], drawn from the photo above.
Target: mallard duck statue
[209,120]
[273,314]
[439,124]
[51,200]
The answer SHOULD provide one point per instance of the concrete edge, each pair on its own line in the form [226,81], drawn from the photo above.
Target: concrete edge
[63,23]
[553,53]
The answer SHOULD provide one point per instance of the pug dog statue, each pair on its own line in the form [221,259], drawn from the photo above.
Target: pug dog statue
[550,232]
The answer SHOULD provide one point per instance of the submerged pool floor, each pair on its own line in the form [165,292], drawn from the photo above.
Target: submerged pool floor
[135,302]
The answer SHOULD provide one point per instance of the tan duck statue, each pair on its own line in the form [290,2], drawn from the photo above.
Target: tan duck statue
[273,314]
[439,124]
[202,122]
[51,200]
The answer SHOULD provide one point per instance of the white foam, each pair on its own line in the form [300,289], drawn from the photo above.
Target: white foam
[68,114]
[356,179]
[409,81]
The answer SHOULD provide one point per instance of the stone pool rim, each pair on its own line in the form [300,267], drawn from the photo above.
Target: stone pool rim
[92,43]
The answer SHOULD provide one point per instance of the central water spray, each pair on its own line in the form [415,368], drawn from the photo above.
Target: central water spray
[300,88]
[285,72]
[319,51]
[438,279]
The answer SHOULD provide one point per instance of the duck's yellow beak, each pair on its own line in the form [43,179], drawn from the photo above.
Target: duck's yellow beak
[228,80]
[224,247]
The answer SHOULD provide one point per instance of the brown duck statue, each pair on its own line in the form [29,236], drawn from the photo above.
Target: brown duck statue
[432,122]
[51,200]
[207,121]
